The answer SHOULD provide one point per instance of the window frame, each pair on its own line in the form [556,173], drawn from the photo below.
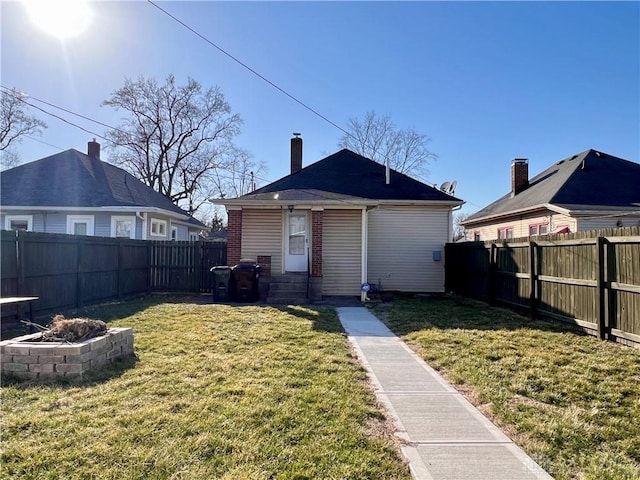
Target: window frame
[538,227]
[162,226]
[123,218]
[174,233]
[19,218]
[508,233]
[88,219]
[193,236]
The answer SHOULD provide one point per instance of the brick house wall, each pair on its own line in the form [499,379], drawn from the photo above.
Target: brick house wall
[234,237]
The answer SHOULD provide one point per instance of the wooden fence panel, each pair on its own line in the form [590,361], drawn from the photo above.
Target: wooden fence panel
[8,264]
[589,278]
[49,266]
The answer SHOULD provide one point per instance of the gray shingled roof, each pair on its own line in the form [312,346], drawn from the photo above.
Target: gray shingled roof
[590,180]
[346,174]
[73,179]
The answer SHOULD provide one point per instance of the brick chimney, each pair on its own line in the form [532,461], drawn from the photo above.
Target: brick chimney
[519,175]
[93,149]
[296,153]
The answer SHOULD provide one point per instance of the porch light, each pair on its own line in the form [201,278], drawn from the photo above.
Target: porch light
[290,208]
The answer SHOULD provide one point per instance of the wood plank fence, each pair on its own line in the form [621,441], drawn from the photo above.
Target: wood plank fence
[67,271]
[591,279]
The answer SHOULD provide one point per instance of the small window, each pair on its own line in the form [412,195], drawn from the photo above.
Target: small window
[476,236]
[18,222]
[80,225]
[123,227]
[538,229]
[504,233]
[158,227]
[174,233]
[193,236]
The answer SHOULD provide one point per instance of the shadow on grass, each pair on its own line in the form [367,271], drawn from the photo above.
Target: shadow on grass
[323,319]
[411,314]
[108,372]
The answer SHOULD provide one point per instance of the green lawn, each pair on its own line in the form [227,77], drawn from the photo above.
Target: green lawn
[249,392]
[569,400]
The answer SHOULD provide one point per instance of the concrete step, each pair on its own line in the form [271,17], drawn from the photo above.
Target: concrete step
[288,287]
[287,300]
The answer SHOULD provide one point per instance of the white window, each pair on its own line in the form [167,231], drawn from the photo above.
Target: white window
[18,222]
[174,233]
[80,225]
[193,236]
[158,227]
[123,227]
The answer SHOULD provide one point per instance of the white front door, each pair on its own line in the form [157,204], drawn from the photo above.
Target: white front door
[296,246]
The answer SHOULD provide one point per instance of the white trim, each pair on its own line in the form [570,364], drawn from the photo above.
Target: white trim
[193,236]
[19,218]
[162,225]
[174,230]
[123,218]
[73,219]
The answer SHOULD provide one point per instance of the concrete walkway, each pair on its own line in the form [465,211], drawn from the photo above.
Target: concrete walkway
[448,438]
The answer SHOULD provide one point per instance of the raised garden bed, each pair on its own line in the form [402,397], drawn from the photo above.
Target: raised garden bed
[28,357]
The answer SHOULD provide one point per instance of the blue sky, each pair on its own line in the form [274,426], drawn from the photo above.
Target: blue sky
[487,81]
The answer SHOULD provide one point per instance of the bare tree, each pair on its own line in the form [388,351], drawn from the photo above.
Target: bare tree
[458,228]
[242,175]
[174,138]
[15,123]
[378,138]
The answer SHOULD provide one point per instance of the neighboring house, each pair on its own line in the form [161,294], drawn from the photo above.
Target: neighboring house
[343,221]
[587,191]
[76,193]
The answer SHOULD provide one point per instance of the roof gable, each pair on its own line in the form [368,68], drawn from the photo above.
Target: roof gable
[349,174]
[74,179]
[588,179]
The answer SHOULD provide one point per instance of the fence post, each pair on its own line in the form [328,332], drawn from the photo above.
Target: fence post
[493,253]
[533,280]
[602,296]
[20,263]
[197,268]
[120,269]
[150,255]
[79,251]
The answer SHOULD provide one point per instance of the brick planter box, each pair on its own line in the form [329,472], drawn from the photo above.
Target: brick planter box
[25,357]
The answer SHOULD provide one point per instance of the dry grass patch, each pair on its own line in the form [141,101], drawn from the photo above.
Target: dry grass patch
[569,400]
[216,392]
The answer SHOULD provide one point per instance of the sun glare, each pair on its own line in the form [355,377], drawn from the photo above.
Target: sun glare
[60,18]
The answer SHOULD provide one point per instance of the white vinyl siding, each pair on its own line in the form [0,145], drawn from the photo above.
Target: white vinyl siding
[402,242]
[606,222]
[262,235]
[341,252]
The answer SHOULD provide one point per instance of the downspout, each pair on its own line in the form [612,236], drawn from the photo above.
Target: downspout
[365,239]
[143,217]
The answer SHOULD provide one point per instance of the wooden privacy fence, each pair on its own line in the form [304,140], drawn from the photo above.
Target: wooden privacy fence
[67,271]
[591,279]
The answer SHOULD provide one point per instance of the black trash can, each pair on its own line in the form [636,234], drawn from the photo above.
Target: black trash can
[244,278]
[221,282]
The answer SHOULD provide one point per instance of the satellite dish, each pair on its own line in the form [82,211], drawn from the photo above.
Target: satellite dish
[452,187]
[445,187]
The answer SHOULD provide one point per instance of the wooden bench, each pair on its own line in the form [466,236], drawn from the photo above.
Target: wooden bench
[18,301]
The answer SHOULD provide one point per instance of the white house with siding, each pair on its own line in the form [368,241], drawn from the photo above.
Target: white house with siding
[342,222]
[76,193]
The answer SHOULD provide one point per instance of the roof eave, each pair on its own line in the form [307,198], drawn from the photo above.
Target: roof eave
[132,209]
[521,211]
